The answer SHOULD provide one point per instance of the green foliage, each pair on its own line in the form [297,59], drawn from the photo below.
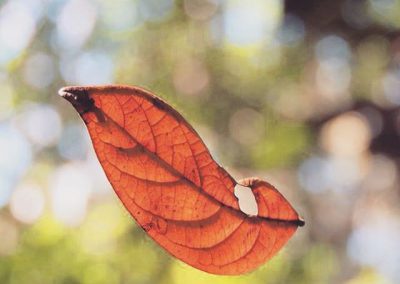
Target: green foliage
[274,151]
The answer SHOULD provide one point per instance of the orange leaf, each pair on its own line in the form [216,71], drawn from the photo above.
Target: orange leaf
[166,178]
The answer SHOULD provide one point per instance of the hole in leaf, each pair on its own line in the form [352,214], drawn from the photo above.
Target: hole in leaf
[247,200]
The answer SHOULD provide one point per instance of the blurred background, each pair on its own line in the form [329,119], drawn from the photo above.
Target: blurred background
[305,94]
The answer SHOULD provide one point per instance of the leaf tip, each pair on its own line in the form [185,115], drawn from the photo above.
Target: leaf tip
[63,92]
[300,222]
[78,97]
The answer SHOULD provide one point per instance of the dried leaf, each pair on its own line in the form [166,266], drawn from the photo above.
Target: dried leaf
[166,178]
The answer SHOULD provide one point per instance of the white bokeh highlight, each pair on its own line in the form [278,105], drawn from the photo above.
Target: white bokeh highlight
[17,27]
[41,123]
[70,187]
[251,22]
[27,203]
[75,24]
[89,68]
